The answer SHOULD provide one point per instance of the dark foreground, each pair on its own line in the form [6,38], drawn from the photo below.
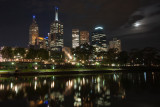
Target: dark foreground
[140,89]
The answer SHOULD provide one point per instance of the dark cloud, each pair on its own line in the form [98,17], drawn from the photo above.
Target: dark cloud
[147,32]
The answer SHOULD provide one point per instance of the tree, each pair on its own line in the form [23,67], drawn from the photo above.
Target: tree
[57,56]
[43,54]
[123,57]
[149,55]
[32,54]
[19,51]
[136,57]
[83,52]
[7,53]
[112,56]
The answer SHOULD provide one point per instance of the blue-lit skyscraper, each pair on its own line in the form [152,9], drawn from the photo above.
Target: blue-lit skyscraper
[56,34]
[99,40]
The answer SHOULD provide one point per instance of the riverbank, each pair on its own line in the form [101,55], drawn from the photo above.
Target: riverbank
[32,72]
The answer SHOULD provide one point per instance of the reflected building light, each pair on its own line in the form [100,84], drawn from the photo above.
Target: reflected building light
[16,89]
[70,83]
[75,82]
[79,80]
[108,92]
[75,86]
[52,84]
[1,87]
[7,87]
[78,102]
[79,88]
[67,83]
[95,80]
[83,81]
[103,82]
[11,85]
[92,80]
[114,77]
[98,80]
[87,81]
[98,86]
[145,76]
[119,84]
[44,82]
[153,76]
[35,85]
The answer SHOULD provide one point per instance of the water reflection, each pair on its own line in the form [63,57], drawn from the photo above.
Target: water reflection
[74,91]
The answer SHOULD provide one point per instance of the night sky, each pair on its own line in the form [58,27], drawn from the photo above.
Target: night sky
[135,22]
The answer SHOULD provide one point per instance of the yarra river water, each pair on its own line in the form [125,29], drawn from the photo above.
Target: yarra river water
[98,90]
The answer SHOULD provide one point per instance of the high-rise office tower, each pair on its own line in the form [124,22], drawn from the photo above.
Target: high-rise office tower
[84,37]
[56,34]
[46,44]
[99,40]
[75,38]
[115,44]
[33,32]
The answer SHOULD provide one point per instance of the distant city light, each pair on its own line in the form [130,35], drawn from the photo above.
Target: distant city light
[56,8]
[137,24]
[34,16]
[46,37]
[97,28]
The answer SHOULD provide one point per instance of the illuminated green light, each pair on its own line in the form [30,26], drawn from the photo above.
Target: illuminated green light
[78,64]
[53,67]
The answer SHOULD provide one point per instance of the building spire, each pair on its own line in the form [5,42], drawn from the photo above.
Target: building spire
[56,13]
[34,18]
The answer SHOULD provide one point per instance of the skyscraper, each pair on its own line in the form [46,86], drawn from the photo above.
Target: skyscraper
[75,38]
[33,32]
[115,44]
[84,37]
[99,40]
[56,34]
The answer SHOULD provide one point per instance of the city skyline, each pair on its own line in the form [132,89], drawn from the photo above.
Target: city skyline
[141,15]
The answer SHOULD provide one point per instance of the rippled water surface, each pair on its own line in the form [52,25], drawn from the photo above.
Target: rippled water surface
[98,90]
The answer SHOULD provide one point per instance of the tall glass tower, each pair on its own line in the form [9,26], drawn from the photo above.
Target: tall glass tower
[99,39]
[33,32]
[56,34]
[75,38]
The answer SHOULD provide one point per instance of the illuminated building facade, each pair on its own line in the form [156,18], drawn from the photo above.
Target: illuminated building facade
[99,40]
[56,34]
[33,32]
[75,38]
[46,44]
[115,44]
[84,37]
[40,42]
